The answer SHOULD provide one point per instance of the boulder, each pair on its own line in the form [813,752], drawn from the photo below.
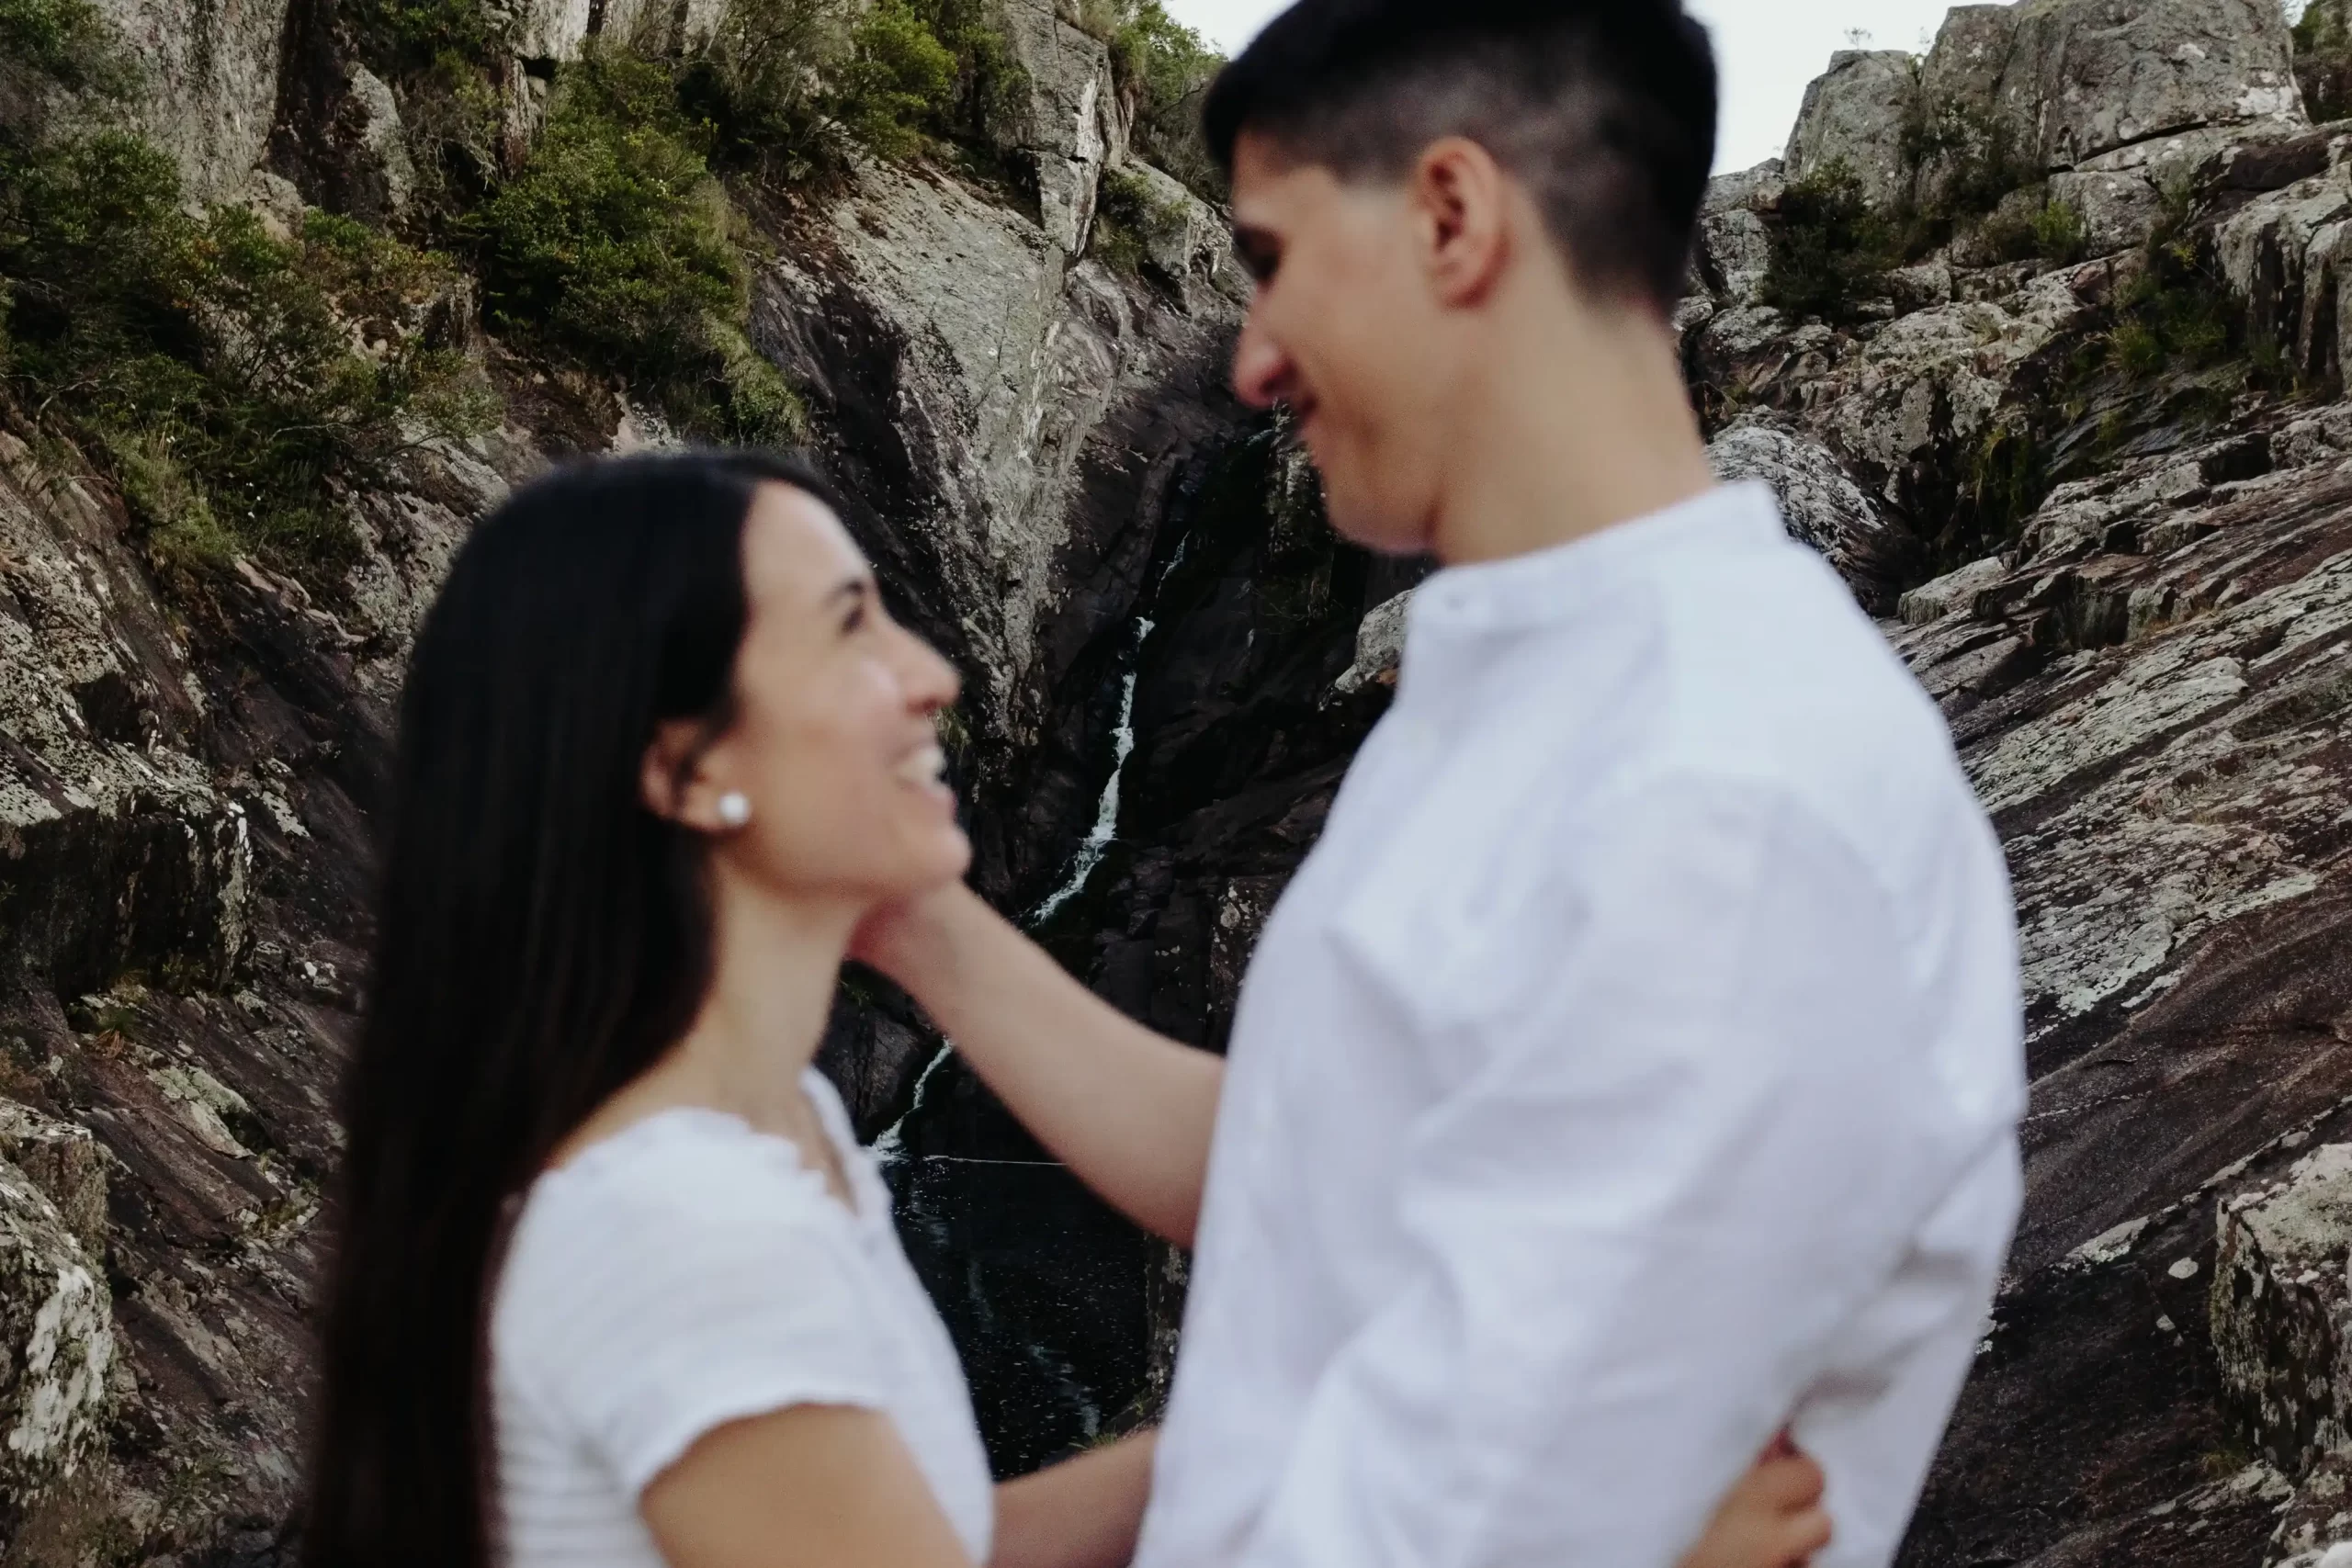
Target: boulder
[1187,243]
[209,87]
[2318,1520]
[2282,1310]
[1854,115]
[56,1345]
[2087,77]
[2282,255]
[1735,242]
[1821,505]
[1953,593]
[1069,125]
[1380,646]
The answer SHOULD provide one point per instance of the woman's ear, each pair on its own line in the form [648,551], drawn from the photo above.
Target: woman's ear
[670,779]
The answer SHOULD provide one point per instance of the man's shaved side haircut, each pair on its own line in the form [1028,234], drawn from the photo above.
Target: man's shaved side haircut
[1604,110]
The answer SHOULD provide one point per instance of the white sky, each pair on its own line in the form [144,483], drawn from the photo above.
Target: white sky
[1769,50]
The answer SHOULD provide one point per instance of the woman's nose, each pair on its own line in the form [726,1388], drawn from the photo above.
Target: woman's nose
[932,683]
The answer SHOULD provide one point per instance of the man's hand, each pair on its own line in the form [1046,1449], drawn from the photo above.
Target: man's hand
[1128,1111]
[909,941]
[1773,1519]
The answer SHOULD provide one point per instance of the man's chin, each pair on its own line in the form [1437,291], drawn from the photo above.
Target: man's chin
[1384,530]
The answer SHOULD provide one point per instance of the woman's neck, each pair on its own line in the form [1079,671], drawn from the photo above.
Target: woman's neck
[773,975]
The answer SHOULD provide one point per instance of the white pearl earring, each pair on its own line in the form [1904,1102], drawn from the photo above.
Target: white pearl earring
[735,809]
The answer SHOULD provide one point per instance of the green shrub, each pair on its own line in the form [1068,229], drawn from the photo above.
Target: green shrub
[784,82]
[896,80]
[2046,230]
[612,247]
[64,40]
[212,364]
[1127,213]
[417,35]
[1163,67]
[2323,60]
[1830,252]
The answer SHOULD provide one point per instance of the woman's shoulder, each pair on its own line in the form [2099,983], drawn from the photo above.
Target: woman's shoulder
[685,1199]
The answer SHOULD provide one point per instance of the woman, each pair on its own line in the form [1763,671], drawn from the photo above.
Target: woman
[614,1284]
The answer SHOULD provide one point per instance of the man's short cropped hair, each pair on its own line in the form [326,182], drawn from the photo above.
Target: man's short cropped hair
[1604,110]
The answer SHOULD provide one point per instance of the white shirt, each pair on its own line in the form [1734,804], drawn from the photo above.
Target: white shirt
[687,1273]
[1635,1062]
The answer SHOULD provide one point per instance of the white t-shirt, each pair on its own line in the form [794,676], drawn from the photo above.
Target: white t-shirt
[691,1271]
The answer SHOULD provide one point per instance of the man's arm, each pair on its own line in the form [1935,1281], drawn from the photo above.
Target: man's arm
[1129,1110]
[1697,1132]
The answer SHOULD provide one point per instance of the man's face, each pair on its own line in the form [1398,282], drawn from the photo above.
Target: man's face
[1346,332]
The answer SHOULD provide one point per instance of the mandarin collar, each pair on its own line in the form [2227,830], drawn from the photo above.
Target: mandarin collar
[1546,584]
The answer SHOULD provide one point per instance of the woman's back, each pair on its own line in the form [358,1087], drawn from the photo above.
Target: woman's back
[687,1272]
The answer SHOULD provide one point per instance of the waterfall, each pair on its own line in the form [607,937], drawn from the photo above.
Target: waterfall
[1106,810]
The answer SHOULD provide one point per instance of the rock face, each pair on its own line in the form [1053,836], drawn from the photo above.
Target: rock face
[1854,116]
[211,81]
[2112,99]
[2132,598]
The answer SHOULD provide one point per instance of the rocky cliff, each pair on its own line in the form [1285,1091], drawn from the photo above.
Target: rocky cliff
[2037,336]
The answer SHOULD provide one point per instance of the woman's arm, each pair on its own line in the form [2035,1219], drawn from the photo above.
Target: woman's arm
[1773,1519]
[1083,1513]
[813,1486]
[1130,1112]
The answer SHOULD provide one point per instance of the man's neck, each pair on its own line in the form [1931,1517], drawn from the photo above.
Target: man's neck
[1579,425]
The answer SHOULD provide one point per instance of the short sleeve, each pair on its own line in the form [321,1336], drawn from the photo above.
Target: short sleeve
[685,1276]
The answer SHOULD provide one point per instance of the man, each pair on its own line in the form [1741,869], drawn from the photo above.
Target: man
[1633,1067]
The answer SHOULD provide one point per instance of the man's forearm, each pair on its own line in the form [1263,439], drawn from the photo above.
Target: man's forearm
[1130,1111]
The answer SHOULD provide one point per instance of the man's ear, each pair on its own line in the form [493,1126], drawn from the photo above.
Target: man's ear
[670,778]
[1462,200]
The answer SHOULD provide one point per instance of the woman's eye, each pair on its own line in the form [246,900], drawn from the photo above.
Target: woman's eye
[855,619]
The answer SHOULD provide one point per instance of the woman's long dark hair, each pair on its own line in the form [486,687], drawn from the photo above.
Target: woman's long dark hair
[542,939]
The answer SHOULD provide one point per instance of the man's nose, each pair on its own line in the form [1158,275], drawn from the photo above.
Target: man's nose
[1261,371]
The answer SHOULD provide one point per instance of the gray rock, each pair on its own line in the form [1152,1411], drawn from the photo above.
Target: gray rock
[1380,646]
[1854,115]
[2319,1516]
[56,1346]
[2091,76]
[2280,1299]
[381,141]
[1071,126]
[66,1163]
[1953,593]
[1820,503]
[210,81]
[1188,243]
[2282,255]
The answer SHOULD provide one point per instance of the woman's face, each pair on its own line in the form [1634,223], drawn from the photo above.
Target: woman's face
[834,742]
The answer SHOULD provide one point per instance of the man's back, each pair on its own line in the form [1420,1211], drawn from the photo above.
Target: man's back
[1635,1062]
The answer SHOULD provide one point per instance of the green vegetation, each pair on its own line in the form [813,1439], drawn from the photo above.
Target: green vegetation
[1830,249]
[2177,313]
[2323,60]
[63,41]
[612,246]
[228,376]
[1162,68]
[417,35]
[1128,214]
